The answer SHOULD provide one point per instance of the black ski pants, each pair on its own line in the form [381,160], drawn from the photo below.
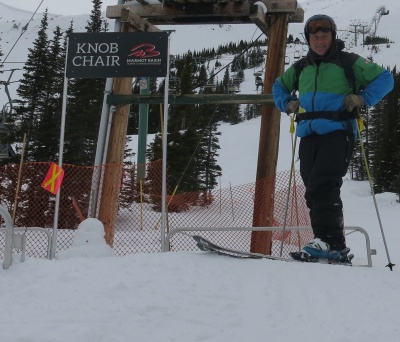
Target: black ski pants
[324,160]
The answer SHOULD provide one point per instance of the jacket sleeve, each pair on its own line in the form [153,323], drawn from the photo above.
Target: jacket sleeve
[377,80]
[282,88]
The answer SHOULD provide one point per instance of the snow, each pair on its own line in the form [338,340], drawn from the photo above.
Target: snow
[196,296]
[87,294]
[88,241]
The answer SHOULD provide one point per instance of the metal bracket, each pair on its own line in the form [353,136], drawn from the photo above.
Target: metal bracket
[17,240]
[11,240]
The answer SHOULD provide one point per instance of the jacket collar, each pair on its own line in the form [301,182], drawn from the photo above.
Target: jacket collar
[337,46]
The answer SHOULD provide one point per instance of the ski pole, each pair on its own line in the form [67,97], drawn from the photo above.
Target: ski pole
[292,130]
[390,265]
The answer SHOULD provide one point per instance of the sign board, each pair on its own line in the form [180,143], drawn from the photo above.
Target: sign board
[117,54]
[53,179]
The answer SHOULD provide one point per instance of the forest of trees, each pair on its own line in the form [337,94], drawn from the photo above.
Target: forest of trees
[193,135]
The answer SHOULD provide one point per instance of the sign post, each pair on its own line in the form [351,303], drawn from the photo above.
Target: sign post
[60,161]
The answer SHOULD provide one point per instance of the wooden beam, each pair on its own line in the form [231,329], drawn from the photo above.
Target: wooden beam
[192,99]
[261,242]
[297,17]
[115,157]
[136,22]
[260,19]
[234,12]
[158,14]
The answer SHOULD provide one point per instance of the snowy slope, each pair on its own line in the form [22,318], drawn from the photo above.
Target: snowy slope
[197,297]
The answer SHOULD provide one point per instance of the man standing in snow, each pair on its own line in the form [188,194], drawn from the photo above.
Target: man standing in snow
[326,108]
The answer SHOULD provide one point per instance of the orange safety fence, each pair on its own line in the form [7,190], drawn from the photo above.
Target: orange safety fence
[135,225]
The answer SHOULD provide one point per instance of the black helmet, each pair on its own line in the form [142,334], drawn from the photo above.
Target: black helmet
[320,17]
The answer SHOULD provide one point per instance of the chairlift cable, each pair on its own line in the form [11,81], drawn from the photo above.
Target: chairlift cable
[233,60]
[22,32]
[215,110]
[209,122]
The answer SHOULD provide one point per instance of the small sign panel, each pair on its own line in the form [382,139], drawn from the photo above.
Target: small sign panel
[117,54]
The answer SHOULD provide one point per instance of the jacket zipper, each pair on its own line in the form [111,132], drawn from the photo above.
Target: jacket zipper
[315,88]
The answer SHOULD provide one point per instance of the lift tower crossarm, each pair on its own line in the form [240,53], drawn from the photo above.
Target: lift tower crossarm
[206,12]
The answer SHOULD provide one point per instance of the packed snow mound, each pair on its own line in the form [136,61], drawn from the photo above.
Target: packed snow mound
[88,241]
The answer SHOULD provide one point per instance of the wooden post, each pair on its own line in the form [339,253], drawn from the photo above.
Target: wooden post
[131,22]
[115,155]
[269,138]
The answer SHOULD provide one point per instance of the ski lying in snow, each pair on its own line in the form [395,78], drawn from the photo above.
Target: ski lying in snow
[208,246]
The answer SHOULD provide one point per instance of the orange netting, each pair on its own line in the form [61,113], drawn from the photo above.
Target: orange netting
[131,210]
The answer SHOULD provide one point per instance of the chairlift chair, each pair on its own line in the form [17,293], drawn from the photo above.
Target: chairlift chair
[233,87]
[259,82]
[174,83]
[3,152]
[237,78]
[210,84]
[172,60]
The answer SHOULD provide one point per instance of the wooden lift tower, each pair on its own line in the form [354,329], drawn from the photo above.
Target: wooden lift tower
[272,17]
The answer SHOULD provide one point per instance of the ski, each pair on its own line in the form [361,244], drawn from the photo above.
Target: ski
[208,246]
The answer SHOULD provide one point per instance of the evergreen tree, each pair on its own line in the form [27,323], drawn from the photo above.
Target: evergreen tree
[129,188]
[192,146]
[47,130]
[4,134]
[396,186]
[252,111]
[228,112]
[385,138]
[96,22]
[153,183]
[209,145]
[85,107]
[181,116]
[182,134]
[32,91]
[203,77]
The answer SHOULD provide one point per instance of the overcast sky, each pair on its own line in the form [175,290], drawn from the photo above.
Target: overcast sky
[65,7]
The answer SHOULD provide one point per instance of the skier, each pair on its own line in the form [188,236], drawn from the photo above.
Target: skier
[326,111]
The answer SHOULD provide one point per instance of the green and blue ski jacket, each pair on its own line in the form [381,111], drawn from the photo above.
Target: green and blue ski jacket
[322,85]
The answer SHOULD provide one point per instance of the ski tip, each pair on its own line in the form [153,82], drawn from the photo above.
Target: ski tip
[390,265]
[196,237]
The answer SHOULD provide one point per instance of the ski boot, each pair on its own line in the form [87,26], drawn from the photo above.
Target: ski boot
[317,249]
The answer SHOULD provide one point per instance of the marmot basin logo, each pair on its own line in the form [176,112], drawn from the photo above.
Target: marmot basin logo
[144,51]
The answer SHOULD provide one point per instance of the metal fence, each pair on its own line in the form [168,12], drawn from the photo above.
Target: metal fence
[137,225]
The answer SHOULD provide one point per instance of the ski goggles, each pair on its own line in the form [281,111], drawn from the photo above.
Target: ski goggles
[319,26]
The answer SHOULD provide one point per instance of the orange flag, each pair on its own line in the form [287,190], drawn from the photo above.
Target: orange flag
[53,179]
